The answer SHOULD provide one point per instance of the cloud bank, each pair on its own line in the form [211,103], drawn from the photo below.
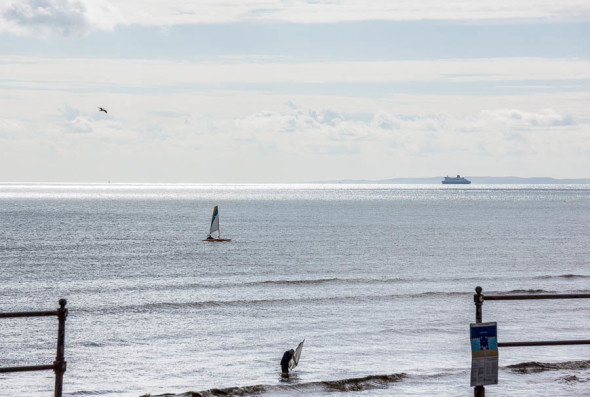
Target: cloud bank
[41,18]
[145,73]
[46,18]
[300,141]
[156,12]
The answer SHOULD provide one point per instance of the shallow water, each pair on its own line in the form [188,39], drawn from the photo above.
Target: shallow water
[378,279]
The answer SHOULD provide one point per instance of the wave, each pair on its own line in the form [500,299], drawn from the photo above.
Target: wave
[535,366]
[179,285]
[149,307]
[562,276]
[169,286]
[91,344]
[572,379]
[297,282]
[358,384]
[529,291]
[435,294]
[343,385]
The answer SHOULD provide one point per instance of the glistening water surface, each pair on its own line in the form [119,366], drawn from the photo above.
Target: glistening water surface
[378,279]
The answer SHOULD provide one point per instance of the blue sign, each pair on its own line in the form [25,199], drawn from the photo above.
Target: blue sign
[484,339]
[484,354]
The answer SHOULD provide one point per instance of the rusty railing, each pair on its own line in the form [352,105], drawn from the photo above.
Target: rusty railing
[478,299]
[59,365]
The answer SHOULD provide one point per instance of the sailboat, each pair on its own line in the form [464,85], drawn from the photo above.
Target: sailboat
[215,227]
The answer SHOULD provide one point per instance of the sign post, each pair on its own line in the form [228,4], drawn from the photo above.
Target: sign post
[484,354]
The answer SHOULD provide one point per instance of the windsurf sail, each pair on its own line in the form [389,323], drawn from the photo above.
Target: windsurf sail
[215,227]
[295,360]
[214,221]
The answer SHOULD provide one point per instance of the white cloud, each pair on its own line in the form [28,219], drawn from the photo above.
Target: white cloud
[305,143]
[79,125]
[98,74]
[10,127]
[164,134]
[69,112]
[42,18]
[77,121]
[78,17]
[156,12]
[528,120]
[497,131]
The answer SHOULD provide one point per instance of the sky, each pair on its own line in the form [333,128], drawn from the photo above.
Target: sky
[280,91]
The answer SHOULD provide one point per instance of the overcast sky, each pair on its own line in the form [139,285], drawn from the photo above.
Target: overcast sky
[292,90]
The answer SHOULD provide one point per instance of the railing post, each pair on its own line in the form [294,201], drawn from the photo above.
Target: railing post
[478,391]
[478,300]
[59,365]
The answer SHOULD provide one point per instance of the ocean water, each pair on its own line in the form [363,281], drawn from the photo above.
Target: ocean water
[378,280]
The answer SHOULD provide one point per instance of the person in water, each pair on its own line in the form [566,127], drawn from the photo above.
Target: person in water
[285,363]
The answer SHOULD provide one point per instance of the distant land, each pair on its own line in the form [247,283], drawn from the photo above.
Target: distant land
[475,180]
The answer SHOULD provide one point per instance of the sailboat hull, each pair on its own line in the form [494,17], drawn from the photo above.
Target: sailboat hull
[217,239]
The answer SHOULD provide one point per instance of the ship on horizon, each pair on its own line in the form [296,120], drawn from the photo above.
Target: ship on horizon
[459,180]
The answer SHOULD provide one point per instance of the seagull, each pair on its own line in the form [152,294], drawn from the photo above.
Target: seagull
[102,110]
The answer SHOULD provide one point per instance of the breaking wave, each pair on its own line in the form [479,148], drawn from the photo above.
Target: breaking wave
[535,366]
[343,385]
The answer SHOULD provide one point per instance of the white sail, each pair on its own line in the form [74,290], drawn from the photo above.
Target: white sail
[215,227]
[214,221]
[295,360]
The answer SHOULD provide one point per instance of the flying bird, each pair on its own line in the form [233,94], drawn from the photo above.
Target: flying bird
[102,110]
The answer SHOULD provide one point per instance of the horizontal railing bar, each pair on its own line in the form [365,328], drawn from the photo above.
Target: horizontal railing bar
[29,368]
[544,343]
[28,314]
[536,296]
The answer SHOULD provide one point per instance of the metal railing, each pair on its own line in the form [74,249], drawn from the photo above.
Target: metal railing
[59,365]
[478,299]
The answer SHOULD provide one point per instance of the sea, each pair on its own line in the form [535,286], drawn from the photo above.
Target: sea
[377,279]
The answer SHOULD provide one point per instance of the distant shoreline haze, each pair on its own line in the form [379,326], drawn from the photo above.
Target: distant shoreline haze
[475,180]
[479,180]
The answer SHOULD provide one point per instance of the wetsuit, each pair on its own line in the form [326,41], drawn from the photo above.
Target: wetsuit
[285,361]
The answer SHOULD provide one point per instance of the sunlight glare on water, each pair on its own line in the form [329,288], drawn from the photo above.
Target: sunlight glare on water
[378,279]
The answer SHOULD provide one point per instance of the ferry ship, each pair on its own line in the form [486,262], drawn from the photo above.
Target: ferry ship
[459,180]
